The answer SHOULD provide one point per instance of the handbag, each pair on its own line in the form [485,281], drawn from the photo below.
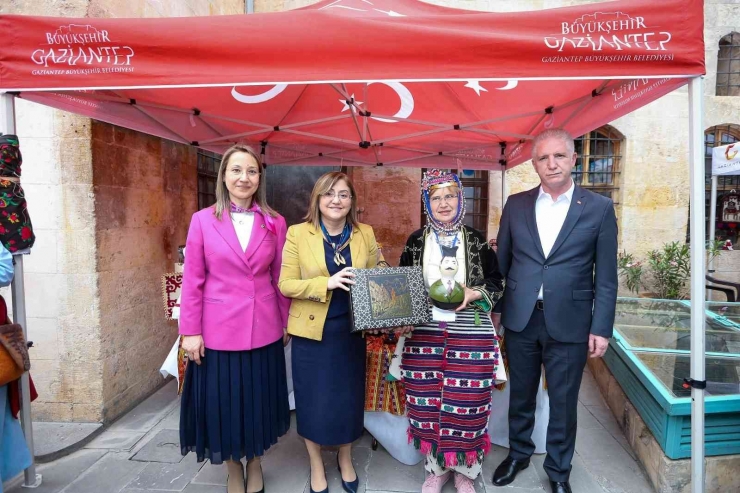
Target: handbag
[14,360]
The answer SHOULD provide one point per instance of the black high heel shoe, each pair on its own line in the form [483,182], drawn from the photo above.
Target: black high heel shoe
[325,490]
[263,480]
[349,487]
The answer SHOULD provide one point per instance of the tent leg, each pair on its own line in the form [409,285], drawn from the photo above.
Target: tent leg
[712,217]
[31,479]
[696,161]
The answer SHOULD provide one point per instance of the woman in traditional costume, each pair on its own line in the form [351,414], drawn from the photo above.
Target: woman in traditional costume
[450,365]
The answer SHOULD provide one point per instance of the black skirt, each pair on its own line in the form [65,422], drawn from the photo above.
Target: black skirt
[235,404]
[329,384]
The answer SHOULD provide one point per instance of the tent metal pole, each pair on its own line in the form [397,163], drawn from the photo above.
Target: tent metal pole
[249,6]
[712,217]
[697,204]
[31,479]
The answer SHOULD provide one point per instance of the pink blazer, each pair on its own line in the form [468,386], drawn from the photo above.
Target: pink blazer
[230,296]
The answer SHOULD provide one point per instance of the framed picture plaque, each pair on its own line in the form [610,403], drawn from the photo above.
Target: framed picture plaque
[388,297]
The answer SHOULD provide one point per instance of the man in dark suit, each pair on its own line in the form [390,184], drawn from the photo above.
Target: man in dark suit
[557,247]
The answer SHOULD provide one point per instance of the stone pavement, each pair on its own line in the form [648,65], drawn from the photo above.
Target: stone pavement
[140,453]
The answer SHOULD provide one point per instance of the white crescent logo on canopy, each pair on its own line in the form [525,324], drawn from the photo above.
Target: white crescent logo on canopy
[510,84]
[258,98]
[407,100]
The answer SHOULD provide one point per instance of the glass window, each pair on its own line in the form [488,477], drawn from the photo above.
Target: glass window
[728,65]
[208,163]
[598,164]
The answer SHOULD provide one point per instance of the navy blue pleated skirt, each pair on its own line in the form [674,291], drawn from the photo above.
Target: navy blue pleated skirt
[235,404]
[329,384]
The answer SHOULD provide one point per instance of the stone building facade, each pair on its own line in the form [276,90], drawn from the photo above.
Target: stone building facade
[109,208]
[111,205]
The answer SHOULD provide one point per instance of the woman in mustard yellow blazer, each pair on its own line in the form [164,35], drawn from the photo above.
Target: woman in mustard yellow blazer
[328,361]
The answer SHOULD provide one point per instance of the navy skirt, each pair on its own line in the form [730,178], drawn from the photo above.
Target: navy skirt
[235,404]
[329,384]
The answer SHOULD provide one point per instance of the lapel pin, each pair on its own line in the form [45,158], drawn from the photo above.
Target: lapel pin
[577,202]
[263,226]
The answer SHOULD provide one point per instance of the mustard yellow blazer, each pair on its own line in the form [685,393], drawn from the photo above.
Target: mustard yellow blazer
[304,276]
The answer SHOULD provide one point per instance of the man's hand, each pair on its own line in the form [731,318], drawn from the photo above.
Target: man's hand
[471,295]
[597,346]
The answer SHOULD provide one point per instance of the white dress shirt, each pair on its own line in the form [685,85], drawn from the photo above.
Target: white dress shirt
[550,215]
[243,222]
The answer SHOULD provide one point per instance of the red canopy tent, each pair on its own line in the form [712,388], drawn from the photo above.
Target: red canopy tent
[467,86]
[375,82]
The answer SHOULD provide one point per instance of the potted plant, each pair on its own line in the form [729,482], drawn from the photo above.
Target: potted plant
[666,271]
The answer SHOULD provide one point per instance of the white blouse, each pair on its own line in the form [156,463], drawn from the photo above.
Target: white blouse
[243,222]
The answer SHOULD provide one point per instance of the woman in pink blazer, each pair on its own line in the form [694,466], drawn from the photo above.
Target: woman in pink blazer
[235,396]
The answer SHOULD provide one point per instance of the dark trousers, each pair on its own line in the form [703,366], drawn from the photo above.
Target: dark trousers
[564,362]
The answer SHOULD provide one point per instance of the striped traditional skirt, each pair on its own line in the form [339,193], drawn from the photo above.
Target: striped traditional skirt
[449,370]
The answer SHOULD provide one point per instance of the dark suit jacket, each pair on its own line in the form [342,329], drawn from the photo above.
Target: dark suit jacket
[579,277]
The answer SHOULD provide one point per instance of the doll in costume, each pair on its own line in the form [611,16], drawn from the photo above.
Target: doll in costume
[446,293]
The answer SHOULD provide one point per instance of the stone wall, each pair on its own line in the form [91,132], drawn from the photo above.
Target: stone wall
[60,279]
[389,200]
[62,305]
[145,192]
[90,364]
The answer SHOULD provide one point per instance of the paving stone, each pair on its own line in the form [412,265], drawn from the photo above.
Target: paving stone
[110,474]
[172,421]
[514,489]
[590,395]
[163,447]
[285,466]
[580,479]
[58,474]
[586,420]
[168,477]
[206,488]
[604,415]
[150,412]
[212,474]
[609,464]
[387,474]
[525,479]
[50,440]
[116,440]
[606,418]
